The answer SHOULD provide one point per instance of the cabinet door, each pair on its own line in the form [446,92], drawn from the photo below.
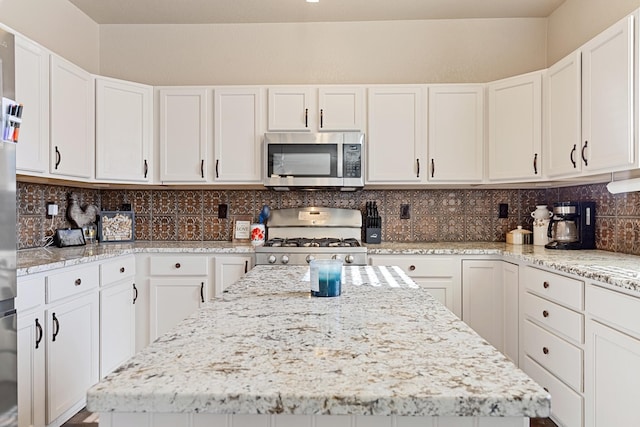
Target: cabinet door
[563,115]
[515,128]
[117,326]
[32,90]
[483,299]
[237,135]
[607,99]
[456,133]
[173,300]
[229,269]
[340,109]
[183,135]
[396,135]
[72,352]
[123,130]
[72,120]
[611,378]
[289,109]
[31,371]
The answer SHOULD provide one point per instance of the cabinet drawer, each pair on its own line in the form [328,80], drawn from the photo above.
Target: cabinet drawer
[555,354]
[30,292]
[553,316]
[614,307]
[71,281]
[566,404]
[555,287]
[118,269]
[178,266]
[428,266]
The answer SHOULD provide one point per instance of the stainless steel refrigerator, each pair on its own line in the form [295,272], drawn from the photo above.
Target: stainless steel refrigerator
[8,330]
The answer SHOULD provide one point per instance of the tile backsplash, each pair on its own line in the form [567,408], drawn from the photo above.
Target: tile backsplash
[436,215]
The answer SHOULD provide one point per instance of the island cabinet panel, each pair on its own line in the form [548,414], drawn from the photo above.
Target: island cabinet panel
[613,358]
[115,419]
[439,274]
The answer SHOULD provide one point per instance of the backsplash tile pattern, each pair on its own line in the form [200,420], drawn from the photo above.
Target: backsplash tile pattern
[436,215]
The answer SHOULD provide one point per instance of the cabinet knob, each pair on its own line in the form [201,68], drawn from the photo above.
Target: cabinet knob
[412,267]
[78,282]
[545,350]
[545,313]
[121,269]
[545,285]
[177,265]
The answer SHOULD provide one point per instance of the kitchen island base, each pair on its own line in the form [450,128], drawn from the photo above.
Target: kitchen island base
[117,419]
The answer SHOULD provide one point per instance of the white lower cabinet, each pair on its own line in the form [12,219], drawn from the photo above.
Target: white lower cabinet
[613,358]
[31,348]
[228,269]
[552,340]
[72,354]
[490,302]
[439,274]
[117,313]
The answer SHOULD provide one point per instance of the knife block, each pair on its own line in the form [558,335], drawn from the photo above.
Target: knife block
[373,235]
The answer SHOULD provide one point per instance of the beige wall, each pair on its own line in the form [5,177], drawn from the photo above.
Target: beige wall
[577,21]
[331,53]
[59,26]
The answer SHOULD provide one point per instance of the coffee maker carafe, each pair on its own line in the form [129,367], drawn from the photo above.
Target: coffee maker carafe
[572,226]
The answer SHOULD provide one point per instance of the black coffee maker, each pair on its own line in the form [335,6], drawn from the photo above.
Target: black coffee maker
[572,226]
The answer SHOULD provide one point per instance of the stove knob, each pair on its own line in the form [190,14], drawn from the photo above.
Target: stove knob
[285,259]
[271,259]
[349,259]
[310,258]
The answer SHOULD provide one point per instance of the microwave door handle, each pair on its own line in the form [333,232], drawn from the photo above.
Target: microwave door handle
[340,149]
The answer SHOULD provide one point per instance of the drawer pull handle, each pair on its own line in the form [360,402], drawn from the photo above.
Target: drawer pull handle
[39,333]
[545,389]
[121,269]
[78,282]
[545,350]
[545,313]
[545,285]
[177,265]
[135,293]
[56,327]
[412,267]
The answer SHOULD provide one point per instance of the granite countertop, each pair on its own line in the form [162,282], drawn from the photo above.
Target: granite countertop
[384,347]
[618,270]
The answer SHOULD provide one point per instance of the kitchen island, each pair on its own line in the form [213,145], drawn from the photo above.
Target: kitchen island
[265,353]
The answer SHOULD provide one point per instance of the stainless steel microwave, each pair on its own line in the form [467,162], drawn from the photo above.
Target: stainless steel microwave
[314,160]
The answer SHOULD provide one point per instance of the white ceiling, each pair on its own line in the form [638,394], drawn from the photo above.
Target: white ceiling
[255,11]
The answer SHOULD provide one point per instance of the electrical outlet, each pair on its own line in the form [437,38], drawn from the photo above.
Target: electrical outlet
[223,210]
[52,209]
[503,210]
[405,212]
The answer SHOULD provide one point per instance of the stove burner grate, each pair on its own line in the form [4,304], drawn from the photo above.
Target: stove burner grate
[304,242]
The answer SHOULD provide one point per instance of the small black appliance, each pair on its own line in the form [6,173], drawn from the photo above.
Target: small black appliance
[572,226]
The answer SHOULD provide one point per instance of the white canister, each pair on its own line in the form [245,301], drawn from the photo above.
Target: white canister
[257,234]
[541,212]
[541,217]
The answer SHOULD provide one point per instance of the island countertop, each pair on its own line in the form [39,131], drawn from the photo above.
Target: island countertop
[384,347]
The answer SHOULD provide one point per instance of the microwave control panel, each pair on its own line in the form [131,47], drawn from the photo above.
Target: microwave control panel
[352,158]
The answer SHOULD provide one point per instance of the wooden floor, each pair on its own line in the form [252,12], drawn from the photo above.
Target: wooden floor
[86,419]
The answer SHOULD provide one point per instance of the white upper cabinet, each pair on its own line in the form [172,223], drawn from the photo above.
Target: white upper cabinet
[124,126]
[607,100]
[72,120]
[515,128]
[289,109]
[562,94]
[456,133]
[237,135]
[396,136]
[183,134]
[310,109]
[32,90]
[340,109]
